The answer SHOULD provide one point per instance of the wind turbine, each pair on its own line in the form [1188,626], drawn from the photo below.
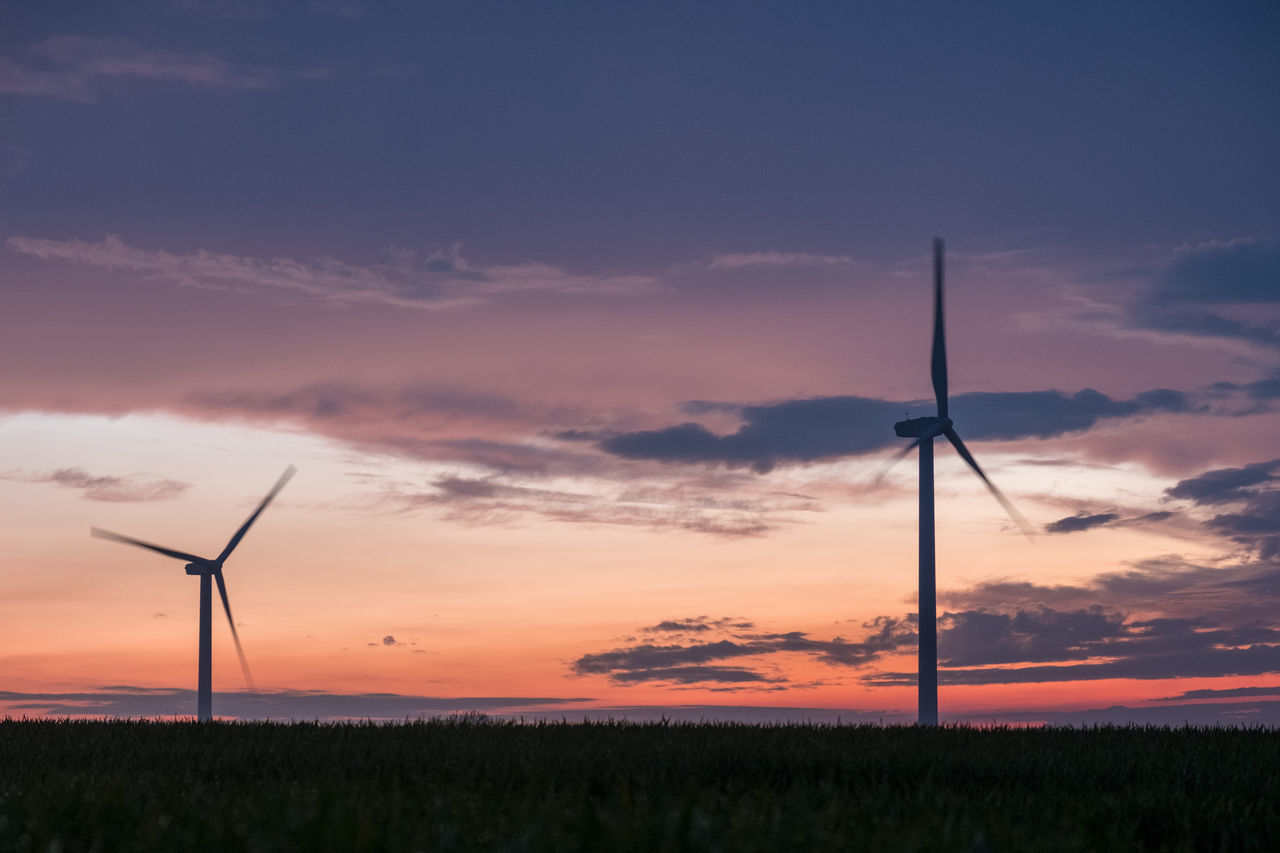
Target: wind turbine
[208,569]
[924,431]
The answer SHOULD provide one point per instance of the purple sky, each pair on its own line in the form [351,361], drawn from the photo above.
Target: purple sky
[585,321]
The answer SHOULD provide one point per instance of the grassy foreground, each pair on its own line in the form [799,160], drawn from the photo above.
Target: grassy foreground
[473,784]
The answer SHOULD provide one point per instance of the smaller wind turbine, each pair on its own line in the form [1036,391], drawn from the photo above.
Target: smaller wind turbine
[924,431]
[208,569]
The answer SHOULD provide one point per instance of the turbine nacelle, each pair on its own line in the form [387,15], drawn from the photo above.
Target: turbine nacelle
[919,427]
[202,568]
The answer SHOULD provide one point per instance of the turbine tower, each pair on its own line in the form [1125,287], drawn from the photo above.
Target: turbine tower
[209,570]
[924,431]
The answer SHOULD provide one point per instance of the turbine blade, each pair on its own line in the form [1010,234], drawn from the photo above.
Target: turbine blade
[938,362]
[885,468]
[929,435]
[1023,524]
[226,605]
[244,528]
[159,549]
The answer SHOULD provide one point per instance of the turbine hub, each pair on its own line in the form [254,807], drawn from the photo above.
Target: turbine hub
[915,427]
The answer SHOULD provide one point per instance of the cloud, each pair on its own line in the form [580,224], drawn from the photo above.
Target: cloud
[697,624]
[690,662]
[104,488]
[1218,273]
[338,403]
[442,279]
[1223,272]
[1226,714]
[1252,490]
[691,675]
[1080,521]
[114,702]
[1240,593]
[1187,663]
[1224,692]
[299,705]
[818,428]
[979,638]
[1223,485]
[743,260]
[1197,323]
[498,499]
[75,68]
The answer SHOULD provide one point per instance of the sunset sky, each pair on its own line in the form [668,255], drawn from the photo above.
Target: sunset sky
[586,326]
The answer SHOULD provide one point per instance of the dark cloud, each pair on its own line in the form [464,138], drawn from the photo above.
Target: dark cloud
[1243,592]
[1239,271]
[1080,521]
[1252,489]
[686,663]
[1224,693]
[104,488]
[124,701]
[390,641]
[1163,318]
[1163,618]
[697,624]
[801,431]
[979,637]
[1182,714]
[1225,484]
[1194,663]
[691,675]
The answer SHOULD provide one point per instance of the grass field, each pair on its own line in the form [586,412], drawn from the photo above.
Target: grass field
[475,784]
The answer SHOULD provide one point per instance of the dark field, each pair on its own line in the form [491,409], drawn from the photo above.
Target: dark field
[472,784]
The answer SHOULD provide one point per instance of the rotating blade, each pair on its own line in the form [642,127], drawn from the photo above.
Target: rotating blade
[929,435]
[244,528]
[1023,524]
[159,549]
[885,468]
[938,362]
[226,605]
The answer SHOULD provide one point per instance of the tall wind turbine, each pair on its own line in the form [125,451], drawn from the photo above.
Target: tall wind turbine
[924,431]
[209,569]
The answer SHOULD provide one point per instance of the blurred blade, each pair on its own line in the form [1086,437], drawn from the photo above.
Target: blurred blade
[226,605]
[884,469]
[1023,524]
[244,528]
[128,540]
[938,364]
[928,435]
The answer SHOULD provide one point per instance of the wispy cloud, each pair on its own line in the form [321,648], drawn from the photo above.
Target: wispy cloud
[502,499]
[1086,520]
[76,68]
[744,260]
[124,701]
[104,488]
[441,279]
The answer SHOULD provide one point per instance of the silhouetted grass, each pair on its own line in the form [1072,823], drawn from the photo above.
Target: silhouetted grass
[472,784]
